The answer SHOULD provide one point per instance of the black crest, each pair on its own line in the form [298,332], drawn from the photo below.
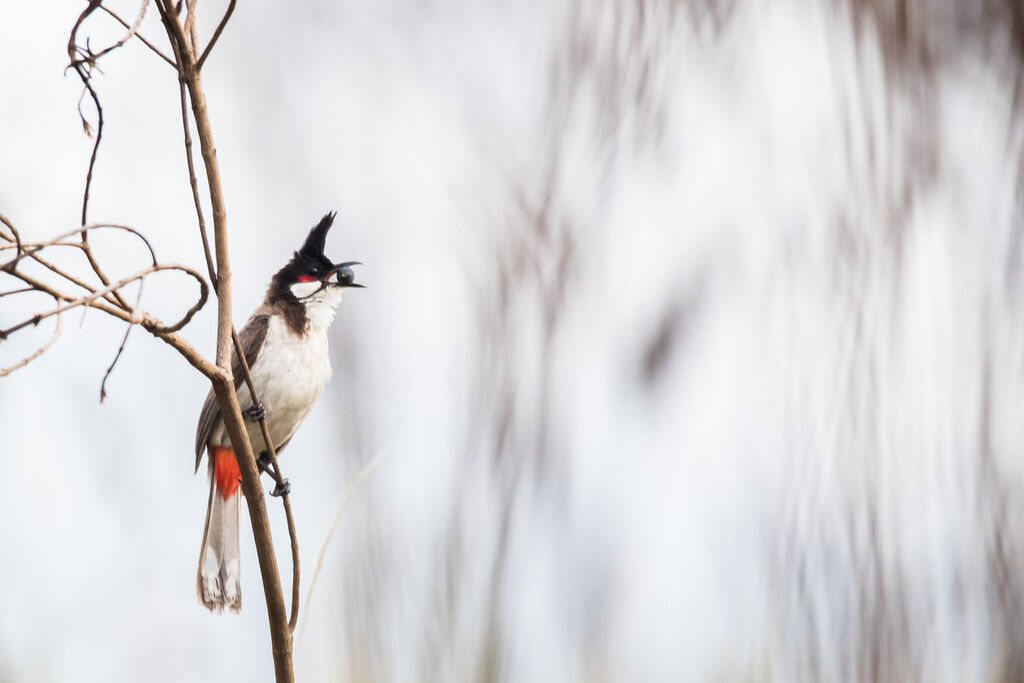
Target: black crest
[317,239]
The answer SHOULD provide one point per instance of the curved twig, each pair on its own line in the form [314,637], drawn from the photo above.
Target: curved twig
[83,67]
[34,255]
[151,324]
[31,248]
[136,315]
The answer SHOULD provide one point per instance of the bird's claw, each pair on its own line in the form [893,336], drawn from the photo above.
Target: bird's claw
[255,412]
[282,487]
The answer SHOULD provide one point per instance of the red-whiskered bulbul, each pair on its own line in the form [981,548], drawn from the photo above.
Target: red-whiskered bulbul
[285,345]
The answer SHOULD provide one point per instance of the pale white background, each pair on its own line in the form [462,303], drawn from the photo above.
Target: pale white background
[692,347]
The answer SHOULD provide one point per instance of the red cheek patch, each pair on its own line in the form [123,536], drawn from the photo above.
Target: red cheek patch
[306,278]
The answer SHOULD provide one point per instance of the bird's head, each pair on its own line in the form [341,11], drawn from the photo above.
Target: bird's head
[310,278]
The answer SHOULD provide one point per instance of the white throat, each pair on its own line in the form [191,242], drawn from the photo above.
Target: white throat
[321,302]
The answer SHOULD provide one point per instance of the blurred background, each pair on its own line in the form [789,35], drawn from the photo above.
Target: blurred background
[692,349]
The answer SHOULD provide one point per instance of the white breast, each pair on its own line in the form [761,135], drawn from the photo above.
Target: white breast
[289,374]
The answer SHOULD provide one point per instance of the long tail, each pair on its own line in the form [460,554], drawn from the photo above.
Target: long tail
[218,581]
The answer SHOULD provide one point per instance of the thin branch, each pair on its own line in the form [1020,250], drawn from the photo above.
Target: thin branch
[14,236]
[88,300]
[36,247]
[58,241]
[95,294]
[151,324]
[182,49]
[240,353]
[67,276]
[83,61]
[132,31]
[72,43]
[347,496]
[38,352]
[17,291]
[84,74]
[195,188]
[223,384]
[272,455]
[216,34]
[138,35]
[117,356]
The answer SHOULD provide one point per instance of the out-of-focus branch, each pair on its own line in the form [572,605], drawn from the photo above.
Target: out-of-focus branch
[350,491]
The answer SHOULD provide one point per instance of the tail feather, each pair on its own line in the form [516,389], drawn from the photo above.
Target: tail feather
[217,583]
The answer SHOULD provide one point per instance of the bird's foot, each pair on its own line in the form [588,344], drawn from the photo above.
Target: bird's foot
[283,488]
[255,413]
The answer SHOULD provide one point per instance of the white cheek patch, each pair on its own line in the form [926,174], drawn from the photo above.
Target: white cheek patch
[303,289]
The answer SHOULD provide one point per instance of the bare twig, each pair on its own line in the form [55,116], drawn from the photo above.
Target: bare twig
[87,300]
[36,247]
[14,236]
[151,324]
[83,66]
[132,31]
[216,34]
[35,354]
[272,456]
[33,247]
[117,356]
[132,315]
[22,290]
[194,185]
[138,35]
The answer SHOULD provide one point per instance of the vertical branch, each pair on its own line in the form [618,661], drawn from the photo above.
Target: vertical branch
[239,351]
[223,382]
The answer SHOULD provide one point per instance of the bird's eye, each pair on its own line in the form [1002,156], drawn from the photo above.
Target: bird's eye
[305,278]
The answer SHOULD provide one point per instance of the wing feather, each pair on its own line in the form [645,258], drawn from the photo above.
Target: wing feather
[252,337]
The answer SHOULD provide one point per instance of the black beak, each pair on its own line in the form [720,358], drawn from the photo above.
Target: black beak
[346,276]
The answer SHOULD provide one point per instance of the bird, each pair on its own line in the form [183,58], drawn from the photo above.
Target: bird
[285,345]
